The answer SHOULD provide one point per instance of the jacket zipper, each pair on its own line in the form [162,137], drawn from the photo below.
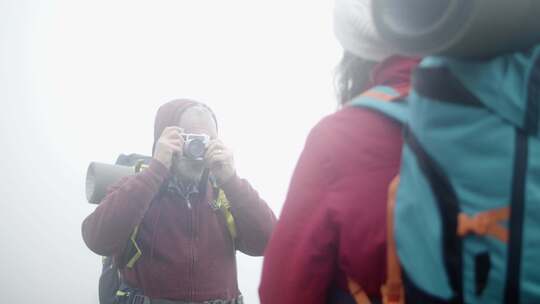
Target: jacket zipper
[192,248]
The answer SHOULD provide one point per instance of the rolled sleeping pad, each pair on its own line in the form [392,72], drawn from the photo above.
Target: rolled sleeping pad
[100,176]
[458,28]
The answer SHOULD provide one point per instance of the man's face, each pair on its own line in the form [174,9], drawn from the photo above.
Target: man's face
[195,120]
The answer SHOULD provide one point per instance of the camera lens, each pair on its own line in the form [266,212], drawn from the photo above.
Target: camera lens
[195,149]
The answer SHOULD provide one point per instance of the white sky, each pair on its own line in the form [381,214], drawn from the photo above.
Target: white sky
[81,81]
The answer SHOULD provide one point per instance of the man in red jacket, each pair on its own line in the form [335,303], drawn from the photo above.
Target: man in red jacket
[188,252]
[332,229]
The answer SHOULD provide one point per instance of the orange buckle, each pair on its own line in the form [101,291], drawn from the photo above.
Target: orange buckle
[485,223]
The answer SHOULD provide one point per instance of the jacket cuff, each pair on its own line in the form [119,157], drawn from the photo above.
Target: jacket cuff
[233,189]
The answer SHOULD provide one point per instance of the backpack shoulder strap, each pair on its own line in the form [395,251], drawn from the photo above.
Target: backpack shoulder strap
[132,252]
[225,206]
[385,100]
[220,202]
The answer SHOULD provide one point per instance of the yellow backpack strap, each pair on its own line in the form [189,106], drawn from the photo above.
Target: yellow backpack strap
[392,292]
[139,166]
[138,252]
[225,206]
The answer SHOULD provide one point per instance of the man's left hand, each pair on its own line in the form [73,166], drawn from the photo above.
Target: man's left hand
[219,159]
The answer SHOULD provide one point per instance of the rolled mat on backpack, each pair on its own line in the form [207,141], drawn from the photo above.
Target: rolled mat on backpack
[458,28]
[100,177]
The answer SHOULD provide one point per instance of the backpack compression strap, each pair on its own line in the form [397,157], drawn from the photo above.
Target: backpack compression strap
[392,291]
[382,99]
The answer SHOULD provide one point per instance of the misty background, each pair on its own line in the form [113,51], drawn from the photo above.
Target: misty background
[81,81]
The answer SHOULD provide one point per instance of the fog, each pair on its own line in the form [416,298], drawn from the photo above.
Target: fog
[80,81]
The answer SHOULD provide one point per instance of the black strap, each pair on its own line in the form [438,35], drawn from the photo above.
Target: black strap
[532,113]
[131,295]
[513,272]
[109,281]
[439,84]
[203,183]
[447,203]
[482,267]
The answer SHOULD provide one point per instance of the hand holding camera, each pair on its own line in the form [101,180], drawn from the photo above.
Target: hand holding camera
[198,147]
[217,157]
[171,142]
[220,161]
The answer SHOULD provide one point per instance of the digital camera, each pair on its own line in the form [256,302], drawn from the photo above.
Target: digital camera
[195,145]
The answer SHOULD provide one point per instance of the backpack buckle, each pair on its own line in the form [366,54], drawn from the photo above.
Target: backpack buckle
[484,224]
[140,299]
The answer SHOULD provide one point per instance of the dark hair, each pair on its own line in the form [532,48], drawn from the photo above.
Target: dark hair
[352,77]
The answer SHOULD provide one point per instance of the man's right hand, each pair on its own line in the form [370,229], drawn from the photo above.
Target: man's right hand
[169,143]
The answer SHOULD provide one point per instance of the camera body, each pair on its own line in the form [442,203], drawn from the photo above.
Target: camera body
[195,145]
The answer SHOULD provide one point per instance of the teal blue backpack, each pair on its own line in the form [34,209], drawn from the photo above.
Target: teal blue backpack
[467,214]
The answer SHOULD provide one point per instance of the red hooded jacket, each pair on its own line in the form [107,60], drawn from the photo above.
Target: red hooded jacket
[187,254]
[333,223]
